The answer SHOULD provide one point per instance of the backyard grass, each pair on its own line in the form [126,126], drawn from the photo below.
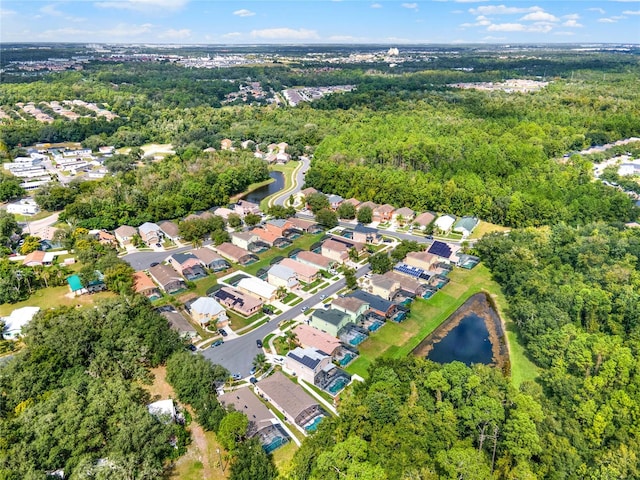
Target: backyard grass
[485,227]
[54,297]
[396,340]
[282,456]
[303,242]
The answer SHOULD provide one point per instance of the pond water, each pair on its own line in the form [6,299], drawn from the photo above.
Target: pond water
[468,342]
[263,192]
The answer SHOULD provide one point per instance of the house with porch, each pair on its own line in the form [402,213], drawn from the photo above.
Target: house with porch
[170,230]
[378,305]
[257,288]
[236,300]
[304,272]
[384,287]
[206,310]
[363,234]
[316,260]
[444,223]
[210,259]
[282,276]
[405,214]
[234,253]
[310,337]
[167,278]
[353,307]
[306,363]
[330,321]
[124,234]
[188,265]
[150,233]
[383,213]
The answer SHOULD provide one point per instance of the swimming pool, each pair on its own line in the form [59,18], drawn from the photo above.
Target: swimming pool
[427,294]
[358,339]
[338,385]
[274,444]
[346,359]
[375,326]
[313,426]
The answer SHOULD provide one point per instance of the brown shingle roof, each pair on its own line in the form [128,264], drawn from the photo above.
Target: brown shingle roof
[424,219]
[350,304]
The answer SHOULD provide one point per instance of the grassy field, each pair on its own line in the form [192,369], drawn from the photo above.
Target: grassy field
[396,340]
[282,457]
[484,227]
[303,242]
[54,297]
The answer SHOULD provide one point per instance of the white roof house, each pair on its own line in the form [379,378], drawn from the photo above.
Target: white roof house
[16,320]
[206,306]
[282,276]
[162,408]
[445,222]
[259,288]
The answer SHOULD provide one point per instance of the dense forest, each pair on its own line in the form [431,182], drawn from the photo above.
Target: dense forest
[574,293]
[163,190]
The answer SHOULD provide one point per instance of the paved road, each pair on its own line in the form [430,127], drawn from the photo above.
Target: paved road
[237,355]
[37,227]
[298,182]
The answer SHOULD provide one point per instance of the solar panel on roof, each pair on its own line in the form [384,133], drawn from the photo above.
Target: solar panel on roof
[304,360]
[440,249]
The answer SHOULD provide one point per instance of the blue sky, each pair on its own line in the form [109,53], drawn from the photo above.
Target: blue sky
[320,21]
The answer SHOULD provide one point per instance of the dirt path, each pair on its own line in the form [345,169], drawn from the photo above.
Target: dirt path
[199,450]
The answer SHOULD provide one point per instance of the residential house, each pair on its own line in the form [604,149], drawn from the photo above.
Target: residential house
[278,226]
[223,212]
[309,337]
[364,234]
[307,192]
[266,236]
[210,259]
[330,321]
[164,409]
[244,239]
[445,222]
[226,144]
[143,285]
[404,213]
[354,201]
[188,265]
[38,258]
[242,303]
[167,278]
[424,219]
[297,406]
[411,271]
[178,323]
[377,304]
[354,307]
[244,207]
[384,287]
[206,310]
[262,422]
[18,318]
[407,284]
[306,226]
[124,234]
[304,272]
[282,276]
[338,248]
[105,238]
[465,225]
[258,288]
[315,260]
[96,284]
[335,201]
[383,213]
[423,260]
[442,250]
[150,233]
[25,206]
[234,253]
[170,230]
[306,363]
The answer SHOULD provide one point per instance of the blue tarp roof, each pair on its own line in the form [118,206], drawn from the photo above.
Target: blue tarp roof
[75,283]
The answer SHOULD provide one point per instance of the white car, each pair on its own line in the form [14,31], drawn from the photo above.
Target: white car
[323,296]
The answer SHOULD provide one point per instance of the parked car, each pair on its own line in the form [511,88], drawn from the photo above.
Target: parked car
[323,296]
[236,376]
[222,332]
[253,380]
[192,347]
[252,371]
[154,264]
[217,343]
[159,245]
[259,343]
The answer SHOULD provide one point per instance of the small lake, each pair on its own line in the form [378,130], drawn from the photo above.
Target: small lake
[263,192]
[467,343]
[472,334]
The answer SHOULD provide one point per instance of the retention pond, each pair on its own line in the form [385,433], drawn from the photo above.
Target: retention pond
[472,334]
[263,192]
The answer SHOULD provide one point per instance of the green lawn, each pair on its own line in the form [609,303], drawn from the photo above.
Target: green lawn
[54,297]
[309,286]
[396,340]
[303,242]
[238,321]
[296,302]
[289,298]
[286,169]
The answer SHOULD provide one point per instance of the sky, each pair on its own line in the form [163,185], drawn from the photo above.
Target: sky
[320,21]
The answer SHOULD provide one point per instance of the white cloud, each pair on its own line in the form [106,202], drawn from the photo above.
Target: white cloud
[376,5]
[506,27]
[124,30]
[232,35]
[410,6]
[141,5]
[572,24]
[631,12]
[52,11]
[540,17]
[597,9]
[491,38]
[571,16]
[244,13]
[285,34]
[481,21]
[502,10]
[606,20]
[341,38]
[6,13]
[176,34]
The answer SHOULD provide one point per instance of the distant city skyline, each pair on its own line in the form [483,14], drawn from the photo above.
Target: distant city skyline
[320,21]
